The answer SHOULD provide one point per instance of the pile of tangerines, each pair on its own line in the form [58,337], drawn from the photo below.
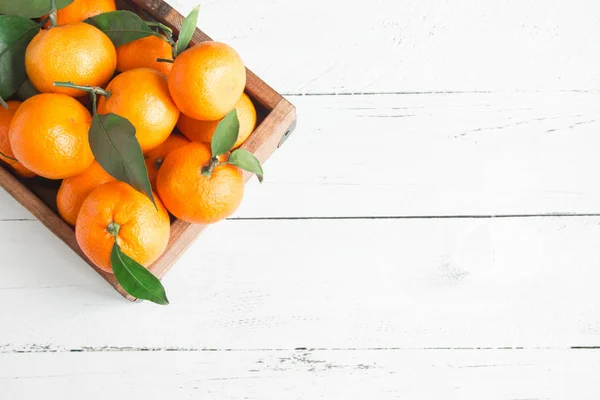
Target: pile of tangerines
[134,130]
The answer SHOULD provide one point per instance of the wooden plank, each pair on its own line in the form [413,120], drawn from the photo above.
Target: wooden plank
[321,374]
[420,155]
[423,155]
[311,46]
[422,283]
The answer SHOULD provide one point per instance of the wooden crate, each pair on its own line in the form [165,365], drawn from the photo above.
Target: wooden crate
[276,122]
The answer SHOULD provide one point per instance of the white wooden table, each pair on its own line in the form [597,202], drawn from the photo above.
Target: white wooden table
[430,231]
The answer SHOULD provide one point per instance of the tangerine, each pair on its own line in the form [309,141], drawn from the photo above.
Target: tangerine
[6,153]
[207,80]
[202,131]
[49,136]
[156,157]
[142,53]
[192,196]
[142,96]
[116,211]
[80,10]
[74,190]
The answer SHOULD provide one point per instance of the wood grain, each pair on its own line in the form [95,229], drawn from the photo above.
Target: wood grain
[263,142]
[411,45]
[304,374]
[421,283]
[478,287]
[435,155]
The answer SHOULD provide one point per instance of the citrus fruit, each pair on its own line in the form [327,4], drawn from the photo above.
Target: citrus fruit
[202,131]
[207,80]
[156,157]
[74,190]
[142,53]
[6,153]
[140,229]
[189,194]
[80,10]
[49,136]
[142,96]
[78,53]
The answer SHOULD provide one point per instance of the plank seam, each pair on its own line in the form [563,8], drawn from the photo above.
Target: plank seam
[104,349]
[439,92]
[472,216]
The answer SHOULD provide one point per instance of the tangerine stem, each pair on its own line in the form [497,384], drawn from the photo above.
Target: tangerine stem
[3,103]
[52,13]
[165,60]
[113,228]
[208,169]
[162,27]
[94,91]
[168,32]
[89,89]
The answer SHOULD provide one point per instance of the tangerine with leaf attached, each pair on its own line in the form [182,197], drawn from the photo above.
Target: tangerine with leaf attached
[193,194]
[202,131]
[116,211]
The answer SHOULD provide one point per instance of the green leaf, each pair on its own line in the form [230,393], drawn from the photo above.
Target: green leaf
[187,31]
[121,26]
[26,90]
[135,279]
[15,35]
[113,142]
[245,160]
[226,134]
[30,8]
[3,103]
